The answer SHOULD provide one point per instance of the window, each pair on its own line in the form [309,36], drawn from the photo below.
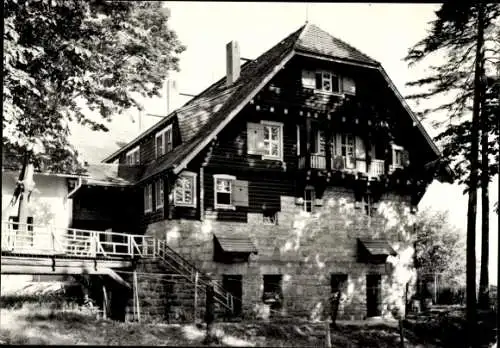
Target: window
[148,198]
[223,191]
[397,156]
[185,190]
[164,141]
[132,157]
[273,293]
[266,139]
[327,82]
[270,216]
[309,199]
[159,193]
[347,148]
[273,140]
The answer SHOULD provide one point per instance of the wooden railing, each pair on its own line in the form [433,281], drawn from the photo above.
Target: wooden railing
[376,167]
[32,239]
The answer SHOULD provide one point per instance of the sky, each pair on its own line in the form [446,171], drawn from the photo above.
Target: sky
[383,31]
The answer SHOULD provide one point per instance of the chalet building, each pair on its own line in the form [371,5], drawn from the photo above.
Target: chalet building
[295,175]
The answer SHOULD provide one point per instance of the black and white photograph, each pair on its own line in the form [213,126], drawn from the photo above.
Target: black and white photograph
[250,174]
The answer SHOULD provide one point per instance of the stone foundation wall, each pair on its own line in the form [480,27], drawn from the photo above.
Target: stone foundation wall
[306,248]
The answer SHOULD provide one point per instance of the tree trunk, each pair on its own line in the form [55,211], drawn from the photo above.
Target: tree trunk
[483,296]
[471,314]
[26,188]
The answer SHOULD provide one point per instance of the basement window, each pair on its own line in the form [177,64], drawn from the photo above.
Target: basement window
[273,293]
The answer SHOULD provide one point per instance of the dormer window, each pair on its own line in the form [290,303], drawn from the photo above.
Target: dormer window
[163,141]
[132,157]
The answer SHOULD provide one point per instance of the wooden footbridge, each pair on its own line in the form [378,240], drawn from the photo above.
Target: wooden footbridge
[35,249]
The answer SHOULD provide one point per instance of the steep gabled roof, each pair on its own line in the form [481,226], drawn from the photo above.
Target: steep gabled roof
[316,40]
[205,115]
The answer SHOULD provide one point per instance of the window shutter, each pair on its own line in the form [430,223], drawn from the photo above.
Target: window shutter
[406,158]
[308,79]
[255,138]
[348,85]
[318,81]
[360,148]
[240,193]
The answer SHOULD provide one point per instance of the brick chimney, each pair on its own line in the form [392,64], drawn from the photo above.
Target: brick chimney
[232,62]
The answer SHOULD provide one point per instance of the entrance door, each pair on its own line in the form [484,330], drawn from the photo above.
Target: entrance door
[233,284]
[373,295]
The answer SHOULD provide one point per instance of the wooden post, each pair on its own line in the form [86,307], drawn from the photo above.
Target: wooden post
[136,298]
[328,337]
[105,305]
[195,308]
[435,288]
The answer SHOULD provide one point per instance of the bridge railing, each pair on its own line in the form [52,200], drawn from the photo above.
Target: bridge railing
[41,239]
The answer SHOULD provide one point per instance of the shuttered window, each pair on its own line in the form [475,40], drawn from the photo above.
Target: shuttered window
[223,191]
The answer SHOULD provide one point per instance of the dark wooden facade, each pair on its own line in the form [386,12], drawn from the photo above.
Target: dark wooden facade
[373,113]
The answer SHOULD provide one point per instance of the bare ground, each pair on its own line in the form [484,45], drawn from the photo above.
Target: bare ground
[32,324]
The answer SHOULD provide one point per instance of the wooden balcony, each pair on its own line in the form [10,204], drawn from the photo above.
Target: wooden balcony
[376,168]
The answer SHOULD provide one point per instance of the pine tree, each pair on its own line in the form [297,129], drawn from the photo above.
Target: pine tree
[462,31]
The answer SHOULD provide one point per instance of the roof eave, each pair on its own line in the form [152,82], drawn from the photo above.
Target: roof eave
[307,53]
[414,118]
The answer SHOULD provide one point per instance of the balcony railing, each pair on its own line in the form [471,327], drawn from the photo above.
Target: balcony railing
[375,169]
